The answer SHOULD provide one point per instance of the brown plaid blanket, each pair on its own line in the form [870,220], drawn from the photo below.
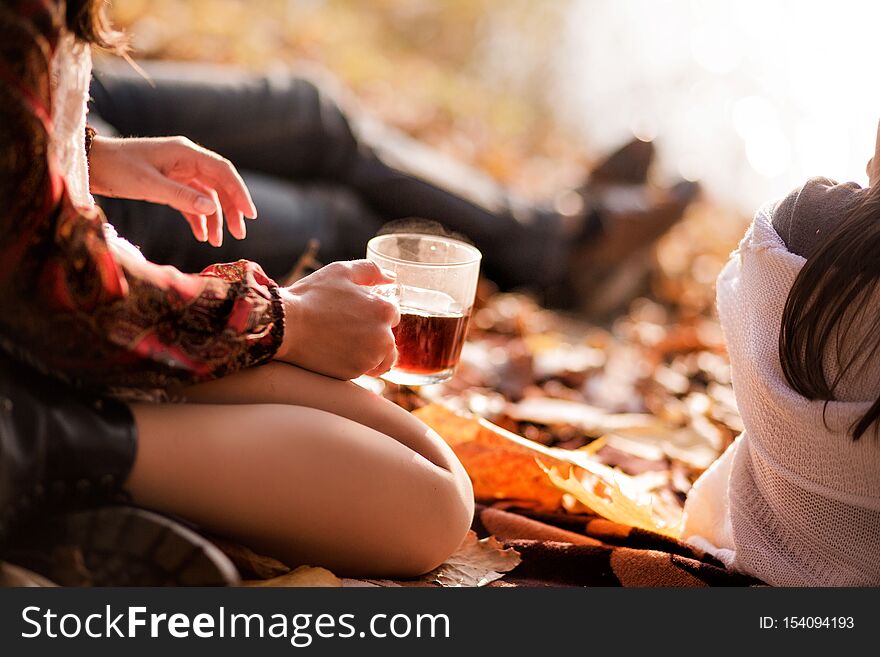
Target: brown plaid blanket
[563,549]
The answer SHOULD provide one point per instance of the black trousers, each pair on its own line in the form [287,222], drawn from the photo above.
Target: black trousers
[312,172]
[60,448]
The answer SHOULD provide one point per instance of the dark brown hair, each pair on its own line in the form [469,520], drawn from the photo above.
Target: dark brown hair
[828,298]
[88,21]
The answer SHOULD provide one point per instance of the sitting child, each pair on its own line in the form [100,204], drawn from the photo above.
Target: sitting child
[795,501]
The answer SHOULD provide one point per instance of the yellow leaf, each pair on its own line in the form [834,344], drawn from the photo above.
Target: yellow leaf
[605,496]
[503,465]
[302,577]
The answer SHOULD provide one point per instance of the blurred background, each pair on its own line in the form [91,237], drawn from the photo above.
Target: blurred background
[750,97]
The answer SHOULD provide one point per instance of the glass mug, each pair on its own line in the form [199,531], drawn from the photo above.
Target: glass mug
[435,289]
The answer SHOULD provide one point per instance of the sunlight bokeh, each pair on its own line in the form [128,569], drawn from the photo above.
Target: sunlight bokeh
[750,96]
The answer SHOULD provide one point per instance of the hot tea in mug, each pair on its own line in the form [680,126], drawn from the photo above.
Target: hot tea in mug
[436,285]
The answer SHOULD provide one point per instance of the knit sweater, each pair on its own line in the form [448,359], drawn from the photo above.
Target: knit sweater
[71,71]
[794,501]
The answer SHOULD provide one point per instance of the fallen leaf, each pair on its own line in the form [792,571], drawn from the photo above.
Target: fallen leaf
[248,562]
[475,563]
[590,419]
[606,497]
[684,444]
[351,583]
[503,465]
[302,577]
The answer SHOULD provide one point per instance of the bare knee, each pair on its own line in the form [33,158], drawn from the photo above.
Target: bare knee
[427,539]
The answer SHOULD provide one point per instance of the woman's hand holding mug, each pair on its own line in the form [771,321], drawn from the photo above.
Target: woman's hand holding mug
[336,325]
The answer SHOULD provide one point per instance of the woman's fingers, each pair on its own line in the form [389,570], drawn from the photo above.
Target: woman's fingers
[234,216]
[386,364]
[199,225]
[180,196]
[222,178]
[225,207]
[366,272]
[227,181]
[194,162]
[235,221]
[215,219]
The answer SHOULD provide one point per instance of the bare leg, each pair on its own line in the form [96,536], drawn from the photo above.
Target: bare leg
[279,383]
[307,485]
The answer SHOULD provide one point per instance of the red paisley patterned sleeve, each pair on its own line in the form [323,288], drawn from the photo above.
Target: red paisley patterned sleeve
[67,302]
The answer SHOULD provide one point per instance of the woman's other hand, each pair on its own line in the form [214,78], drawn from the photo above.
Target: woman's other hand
[336,326]
[174,171]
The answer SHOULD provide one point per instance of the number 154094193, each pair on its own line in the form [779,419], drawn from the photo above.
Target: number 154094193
[807,623]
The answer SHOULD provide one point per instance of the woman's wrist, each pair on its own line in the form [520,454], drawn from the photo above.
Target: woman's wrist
[101,153]
[289,306]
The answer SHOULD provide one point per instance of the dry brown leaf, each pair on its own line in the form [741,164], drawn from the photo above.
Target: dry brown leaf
[503,465]
[590,419]
[607,498]
[461,429]
[351,583]
[248,562]
[302,577]
[475,563]
[499,461]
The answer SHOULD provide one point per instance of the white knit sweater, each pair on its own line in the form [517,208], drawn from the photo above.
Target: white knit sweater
[71,74]
[792,502]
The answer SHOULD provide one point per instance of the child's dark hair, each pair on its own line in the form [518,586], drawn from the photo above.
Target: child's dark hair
[87,20]
[831,292]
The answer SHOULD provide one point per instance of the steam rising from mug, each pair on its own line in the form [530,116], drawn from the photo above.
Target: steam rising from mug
[422,227]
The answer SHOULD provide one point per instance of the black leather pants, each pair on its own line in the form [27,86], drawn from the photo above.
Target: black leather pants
[60,448]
